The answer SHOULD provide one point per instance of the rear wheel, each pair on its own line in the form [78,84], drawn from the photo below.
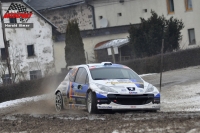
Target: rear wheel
[58,102]
[91,103]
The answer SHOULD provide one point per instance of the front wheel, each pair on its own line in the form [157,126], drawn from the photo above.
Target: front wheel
[91,103]
[58,102]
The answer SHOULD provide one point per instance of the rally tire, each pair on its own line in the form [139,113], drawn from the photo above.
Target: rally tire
[92,103]
[58,102]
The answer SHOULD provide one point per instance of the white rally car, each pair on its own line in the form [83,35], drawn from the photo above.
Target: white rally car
[106,86]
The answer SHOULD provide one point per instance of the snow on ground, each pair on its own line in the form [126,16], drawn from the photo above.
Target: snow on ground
[142,75]
[23,100]
[181,98]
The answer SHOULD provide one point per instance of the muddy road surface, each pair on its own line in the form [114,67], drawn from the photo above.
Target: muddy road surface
[125,122]
[180,112]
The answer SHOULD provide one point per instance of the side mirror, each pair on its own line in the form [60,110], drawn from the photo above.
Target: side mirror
[80,87]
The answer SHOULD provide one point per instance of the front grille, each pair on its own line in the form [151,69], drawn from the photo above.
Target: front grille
[131,99]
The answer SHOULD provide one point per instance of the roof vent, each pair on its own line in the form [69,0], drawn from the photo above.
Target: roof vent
[106,63]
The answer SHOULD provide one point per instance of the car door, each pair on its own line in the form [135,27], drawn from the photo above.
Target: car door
[70,93]
[80,86]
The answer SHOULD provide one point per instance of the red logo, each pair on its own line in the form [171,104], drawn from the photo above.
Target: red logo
[16,10]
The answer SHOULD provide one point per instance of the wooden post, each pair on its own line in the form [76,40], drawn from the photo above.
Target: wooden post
[87,61]
[161,64]
[5,44]
[113,54]
[120,55]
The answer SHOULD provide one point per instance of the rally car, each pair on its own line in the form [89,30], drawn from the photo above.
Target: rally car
[105,86]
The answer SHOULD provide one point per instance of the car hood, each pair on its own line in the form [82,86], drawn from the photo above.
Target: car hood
[124,86]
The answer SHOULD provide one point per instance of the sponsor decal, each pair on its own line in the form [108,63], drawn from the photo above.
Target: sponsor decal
[126,67]
[20,11]
[92,67]
[131,88]
[132,92]
[138,83]
[114,83]
[105,107]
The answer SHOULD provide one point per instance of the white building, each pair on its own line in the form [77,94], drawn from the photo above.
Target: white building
[124,12]
[31,49]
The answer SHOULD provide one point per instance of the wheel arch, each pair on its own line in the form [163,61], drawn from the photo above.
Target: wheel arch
[57,91]
[89,91]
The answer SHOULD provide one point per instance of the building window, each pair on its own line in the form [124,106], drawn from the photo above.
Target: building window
[30,50]
[13,20]
[191,35]
[119,14]
[3,54]
[188,5]
[100,17]
[35,74]
[170,6]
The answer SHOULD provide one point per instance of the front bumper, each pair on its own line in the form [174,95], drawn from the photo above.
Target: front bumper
[114,106]
[133,102]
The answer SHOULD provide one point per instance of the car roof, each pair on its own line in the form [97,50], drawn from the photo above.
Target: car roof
[102,64]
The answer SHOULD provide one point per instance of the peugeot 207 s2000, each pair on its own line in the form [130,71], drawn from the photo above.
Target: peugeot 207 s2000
[106,86]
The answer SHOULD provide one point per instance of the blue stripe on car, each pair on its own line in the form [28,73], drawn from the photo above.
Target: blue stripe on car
[158,95]
[100,96]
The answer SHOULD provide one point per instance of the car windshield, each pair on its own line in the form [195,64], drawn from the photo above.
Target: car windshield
[113,73]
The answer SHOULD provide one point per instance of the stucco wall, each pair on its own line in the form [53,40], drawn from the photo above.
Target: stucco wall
[40,36]
[133,10]
[59,48]
[60,17]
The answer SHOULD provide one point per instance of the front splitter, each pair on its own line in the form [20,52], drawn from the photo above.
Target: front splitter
[114,106]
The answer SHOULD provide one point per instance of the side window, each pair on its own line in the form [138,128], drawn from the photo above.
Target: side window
[81,76]
[72,74]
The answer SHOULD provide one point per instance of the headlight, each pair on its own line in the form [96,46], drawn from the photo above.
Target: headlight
[105,88]
[150,88]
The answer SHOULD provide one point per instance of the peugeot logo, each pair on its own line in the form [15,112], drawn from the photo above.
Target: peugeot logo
[131,88]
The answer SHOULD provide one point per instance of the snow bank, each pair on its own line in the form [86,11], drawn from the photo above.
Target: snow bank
[23,100]
[142,75]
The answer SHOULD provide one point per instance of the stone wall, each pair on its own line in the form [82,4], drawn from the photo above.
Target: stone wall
[61,16]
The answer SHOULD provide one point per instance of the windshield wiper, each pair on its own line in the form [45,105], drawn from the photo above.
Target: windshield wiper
[99,78]
[121,78]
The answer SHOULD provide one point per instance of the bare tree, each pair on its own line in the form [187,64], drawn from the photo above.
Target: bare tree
[3,68]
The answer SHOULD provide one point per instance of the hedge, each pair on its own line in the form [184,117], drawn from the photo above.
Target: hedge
[171,61]
[31,87]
